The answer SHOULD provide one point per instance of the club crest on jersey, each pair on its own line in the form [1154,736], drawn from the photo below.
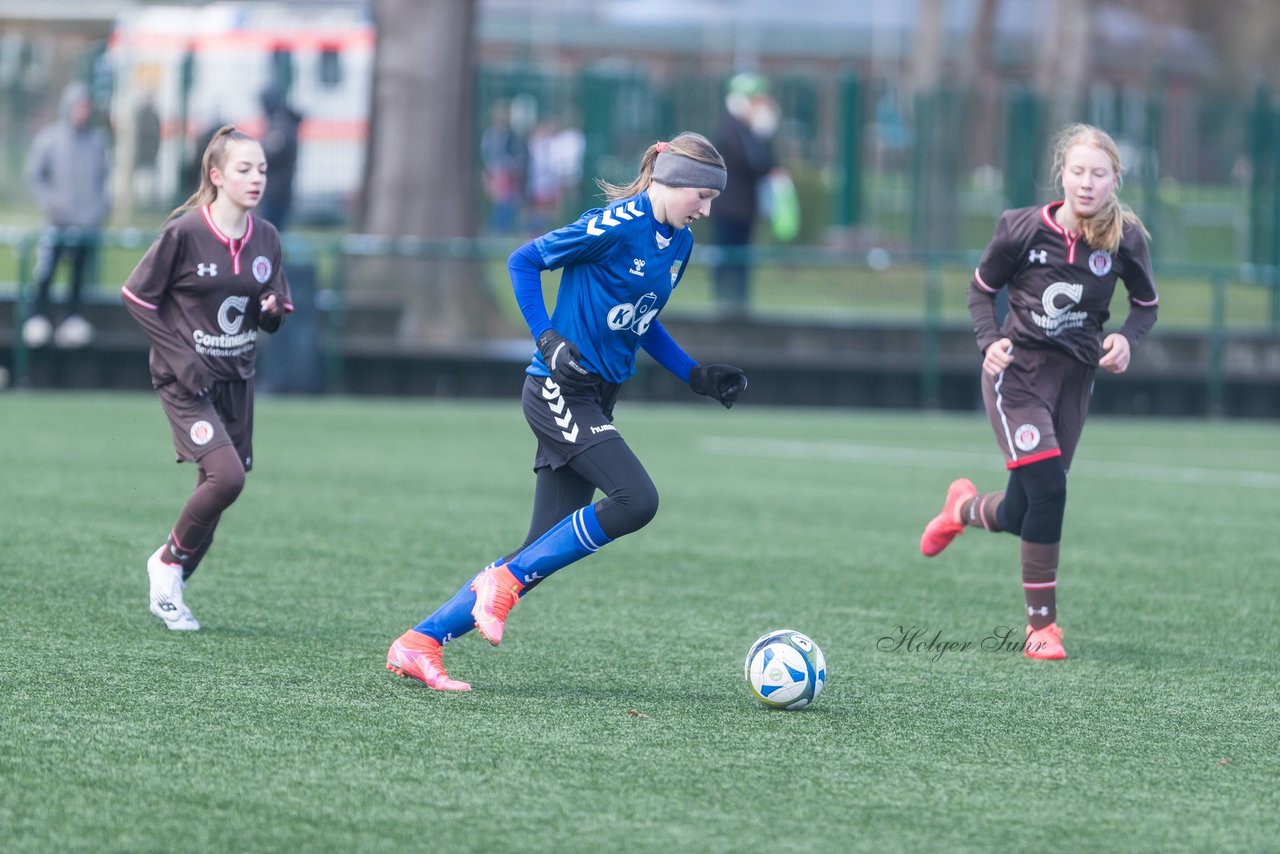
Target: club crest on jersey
[262,269]
[675,273]
[202,432]
[1100,262]
[1026,437]
[206,269]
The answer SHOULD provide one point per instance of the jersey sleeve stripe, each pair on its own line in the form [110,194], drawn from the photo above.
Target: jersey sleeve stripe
[132,297]
[978,280]
[1145,303]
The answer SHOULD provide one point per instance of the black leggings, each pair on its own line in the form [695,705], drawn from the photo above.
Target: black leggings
[630,502]
[1035,502]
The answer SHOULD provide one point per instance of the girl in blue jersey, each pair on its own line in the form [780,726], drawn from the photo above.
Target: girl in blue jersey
[619,265]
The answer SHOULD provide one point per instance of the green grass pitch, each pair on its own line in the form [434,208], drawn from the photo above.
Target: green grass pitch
[614,717]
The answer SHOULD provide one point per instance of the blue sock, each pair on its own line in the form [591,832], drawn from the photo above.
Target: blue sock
[573,538]
[452,619]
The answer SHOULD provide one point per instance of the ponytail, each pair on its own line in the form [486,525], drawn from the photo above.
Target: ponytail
[695,146]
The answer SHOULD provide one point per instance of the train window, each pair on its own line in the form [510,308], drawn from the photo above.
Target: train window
[282,68]
[330,67]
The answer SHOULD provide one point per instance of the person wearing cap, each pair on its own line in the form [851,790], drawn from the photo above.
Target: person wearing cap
[745,139]
[620,265]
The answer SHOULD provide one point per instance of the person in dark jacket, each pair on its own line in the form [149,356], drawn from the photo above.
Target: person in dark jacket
[280,143]
[745,140]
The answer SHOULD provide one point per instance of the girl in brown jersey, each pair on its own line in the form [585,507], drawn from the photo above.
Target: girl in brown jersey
[1060,263]
[211,280]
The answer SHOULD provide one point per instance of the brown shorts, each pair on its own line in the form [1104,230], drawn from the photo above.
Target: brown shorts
[568,419]
[1038,406]
[200,424]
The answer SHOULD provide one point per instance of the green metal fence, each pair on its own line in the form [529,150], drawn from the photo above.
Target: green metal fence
[921,293]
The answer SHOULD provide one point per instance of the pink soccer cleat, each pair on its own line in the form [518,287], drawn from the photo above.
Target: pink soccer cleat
[946,526]
[1045,644]
[416,656]
[497,592]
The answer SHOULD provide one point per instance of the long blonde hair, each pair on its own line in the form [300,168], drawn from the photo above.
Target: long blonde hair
[692,145]
[1104,229]
[215,156]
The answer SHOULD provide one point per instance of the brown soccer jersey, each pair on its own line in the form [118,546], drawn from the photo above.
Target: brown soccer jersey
[196,293]
[1060,288]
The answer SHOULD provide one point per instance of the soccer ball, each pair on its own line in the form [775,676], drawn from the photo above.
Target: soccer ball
[786,670]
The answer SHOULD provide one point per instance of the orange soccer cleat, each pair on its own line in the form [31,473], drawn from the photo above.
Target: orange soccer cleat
[416,656]
[947,525]
[497,592]
[1045,644]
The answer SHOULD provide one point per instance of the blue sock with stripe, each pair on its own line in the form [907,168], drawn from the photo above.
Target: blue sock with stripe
[452,619]
[573,538]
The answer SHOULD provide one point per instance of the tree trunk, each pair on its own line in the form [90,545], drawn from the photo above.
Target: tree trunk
[979,78]
[419,174]
[937,105]
[1065,60]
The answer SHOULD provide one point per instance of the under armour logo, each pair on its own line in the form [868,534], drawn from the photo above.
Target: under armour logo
[1043,611]
[1038,256]
[206,269]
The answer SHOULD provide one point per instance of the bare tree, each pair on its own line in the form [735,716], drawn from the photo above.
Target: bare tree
[1064,60]
[936,155]
[978,75]
[419,172]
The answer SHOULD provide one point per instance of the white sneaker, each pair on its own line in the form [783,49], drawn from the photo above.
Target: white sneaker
[166,594]
[73,332]
[37,331]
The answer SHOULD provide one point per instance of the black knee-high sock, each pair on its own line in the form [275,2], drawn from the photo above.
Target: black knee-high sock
[1045,483]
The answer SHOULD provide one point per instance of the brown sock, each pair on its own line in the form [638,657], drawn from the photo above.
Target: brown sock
[218,483]
[981,512]
[1040,582]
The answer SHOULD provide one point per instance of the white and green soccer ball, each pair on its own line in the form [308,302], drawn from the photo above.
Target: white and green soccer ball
[785,670]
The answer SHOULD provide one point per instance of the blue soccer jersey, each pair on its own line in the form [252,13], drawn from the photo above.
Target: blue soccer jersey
[619,269]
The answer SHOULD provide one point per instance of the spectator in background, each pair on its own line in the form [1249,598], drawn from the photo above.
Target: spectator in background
[568,147]
[66,172]
[502,156]
[545,185]
[146,152]
[280,143]
[745,139]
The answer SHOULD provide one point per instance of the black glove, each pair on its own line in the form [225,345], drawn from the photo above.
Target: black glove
[561,357]
[723,382]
